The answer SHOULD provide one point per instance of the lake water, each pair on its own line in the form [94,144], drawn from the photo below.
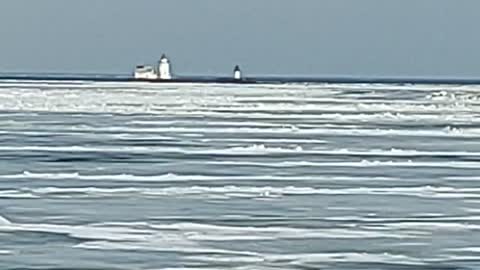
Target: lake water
[208,176]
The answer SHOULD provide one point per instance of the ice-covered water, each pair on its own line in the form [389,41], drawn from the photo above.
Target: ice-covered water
[203,176]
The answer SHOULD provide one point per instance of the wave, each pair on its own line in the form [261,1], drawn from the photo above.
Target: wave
[338,117]
[415,218]
[472,210]
[242,257]
[329,110]
[251,192]
[171,177]
[4,221]
[354,131]
[116,177]
[169,123]
[5,252]
[355,164]
[192,234]
[461,178]
[255,149]
[166,244]
[321,258]
[15,194]
[209,232]
[256,118]
[466,249]
[432,226]
[259,141]
[187,237]
[196,239]
[83,232]
[346,257]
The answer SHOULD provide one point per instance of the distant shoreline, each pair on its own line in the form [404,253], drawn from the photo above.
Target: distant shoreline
[247,80]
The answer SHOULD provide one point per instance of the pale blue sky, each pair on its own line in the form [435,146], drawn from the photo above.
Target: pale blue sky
[301,37]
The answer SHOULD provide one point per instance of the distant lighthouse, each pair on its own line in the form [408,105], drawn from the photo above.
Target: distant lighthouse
[164,69]
[237,73]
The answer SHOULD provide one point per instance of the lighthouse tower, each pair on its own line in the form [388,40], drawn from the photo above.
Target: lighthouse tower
[237,73]
[164,69]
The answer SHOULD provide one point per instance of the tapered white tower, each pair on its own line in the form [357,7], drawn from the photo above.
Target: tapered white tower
[164,69]
[237,73]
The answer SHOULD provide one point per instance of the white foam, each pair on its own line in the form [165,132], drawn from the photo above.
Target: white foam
[258,192]
[206,232]
[255,149]
[216,123]
[462,178]
[419,218]
[117,177]
[16,194]
[207,268]
[4,221]
[352,257]
[169,177]
[434,226]
[261,149]
[466,249]
[159,244]
[96,136]
[252,150]
[188,237]
[317,258]
[84,232]
[230,259]
[321,129]
[86,190]
[356,164]
[472,210]
[191,238]
[259,141]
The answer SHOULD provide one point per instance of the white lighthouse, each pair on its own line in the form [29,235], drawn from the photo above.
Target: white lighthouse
[237,73]
[164,69]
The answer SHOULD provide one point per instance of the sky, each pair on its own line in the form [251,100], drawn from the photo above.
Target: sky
[380,38]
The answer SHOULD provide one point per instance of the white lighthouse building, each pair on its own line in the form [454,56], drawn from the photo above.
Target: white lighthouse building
[164,72]
[237,73]
[145,73]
